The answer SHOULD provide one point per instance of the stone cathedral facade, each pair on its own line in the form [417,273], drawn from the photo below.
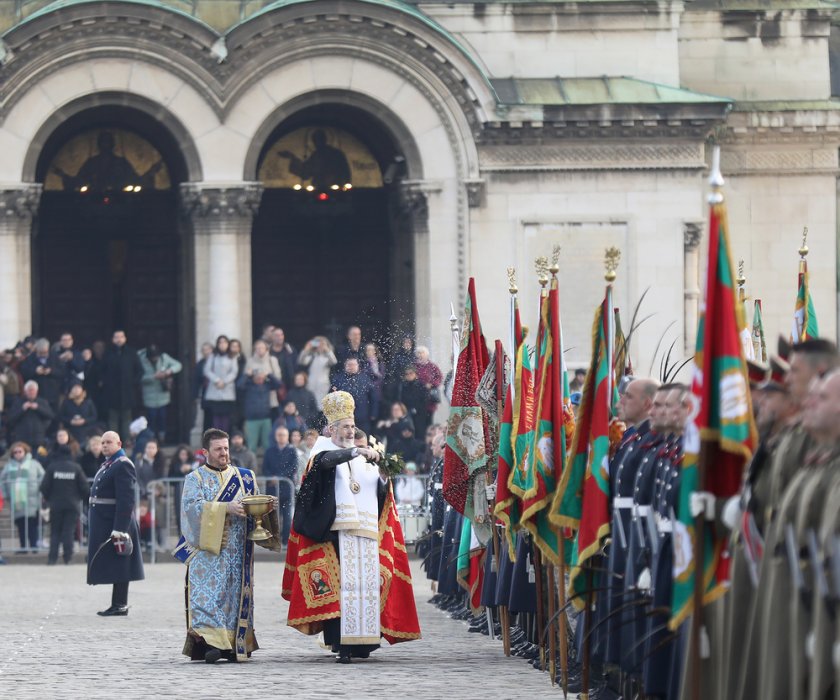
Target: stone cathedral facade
[184,168]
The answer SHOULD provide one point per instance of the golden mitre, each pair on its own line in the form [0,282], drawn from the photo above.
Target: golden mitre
[338,405]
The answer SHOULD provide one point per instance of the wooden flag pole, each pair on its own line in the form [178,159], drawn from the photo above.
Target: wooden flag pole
[697,612]
[552,626]
[500,388]
[538,578]
[562,636]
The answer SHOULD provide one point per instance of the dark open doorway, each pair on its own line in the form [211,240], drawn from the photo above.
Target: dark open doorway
[329,246]
[108,250]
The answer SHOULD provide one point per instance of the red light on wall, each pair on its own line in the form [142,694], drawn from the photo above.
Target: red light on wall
[323,197]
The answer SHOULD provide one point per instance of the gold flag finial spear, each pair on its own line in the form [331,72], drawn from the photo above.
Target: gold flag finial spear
[555,261]
[741,281]
[541,266]
[611,259]
[512,288]
[803,249]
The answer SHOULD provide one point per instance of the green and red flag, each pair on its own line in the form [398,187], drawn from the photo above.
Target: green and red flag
[759,344]
[508,508]
[465,454]
[621,358]
[581,502]
[805,326]
[723,423]
[548,449]
[521,436]
[470,565]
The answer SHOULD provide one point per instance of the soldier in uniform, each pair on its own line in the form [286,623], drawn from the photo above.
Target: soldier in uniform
[638,552]
[780,620]
[659,646]
[748,523]
[808,360]
[634,409]
[114,539]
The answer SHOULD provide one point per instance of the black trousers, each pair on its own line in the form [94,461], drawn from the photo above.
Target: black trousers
[28,531]
[119,596]
[63,525]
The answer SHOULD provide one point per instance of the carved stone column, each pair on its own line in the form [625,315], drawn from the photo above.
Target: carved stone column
[221,216]
[18,205]
[692,235]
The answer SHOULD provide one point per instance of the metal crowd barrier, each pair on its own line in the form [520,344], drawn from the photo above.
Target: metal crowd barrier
[163,501]
[164,504]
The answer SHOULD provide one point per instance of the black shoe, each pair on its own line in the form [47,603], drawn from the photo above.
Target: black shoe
[343,658]
[360,654]
[114,611]
[212,655]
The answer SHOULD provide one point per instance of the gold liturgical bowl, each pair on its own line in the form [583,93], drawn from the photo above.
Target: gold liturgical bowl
[257,506]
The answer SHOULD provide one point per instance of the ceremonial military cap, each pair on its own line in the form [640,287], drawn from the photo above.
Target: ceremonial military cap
[756,373]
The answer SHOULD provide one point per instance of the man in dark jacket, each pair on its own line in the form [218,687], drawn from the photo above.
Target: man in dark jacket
[47,370]
[74,364]
[121,375]
[113,526]
[30,416]
[304,400]
[78,413]
[285,354]
[281,459]
[413,393]
[361,388]
[64,487]
[257,389]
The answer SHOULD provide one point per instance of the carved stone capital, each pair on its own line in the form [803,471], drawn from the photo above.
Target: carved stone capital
[238,200]
[413,198]
[692,235]
[476,189]
[20,202]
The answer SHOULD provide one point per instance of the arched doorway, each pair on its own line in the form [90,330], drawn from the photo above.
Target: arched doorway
[108,251]
[330,246]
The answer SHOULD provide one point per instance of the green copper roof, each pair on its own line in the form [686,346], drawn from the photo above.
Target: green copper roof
[592,91]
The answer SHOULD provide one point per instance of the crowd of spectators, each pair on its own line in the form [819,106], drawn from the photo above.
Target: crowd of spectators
[56,400]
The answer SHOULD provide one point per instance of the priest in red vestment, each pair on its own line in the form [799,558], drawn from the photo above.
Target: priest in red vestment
[347,572]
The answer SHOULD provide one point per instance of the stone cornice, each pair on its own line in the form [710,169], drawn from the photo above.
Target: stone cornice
[594,156]
[201,200]
[222,69]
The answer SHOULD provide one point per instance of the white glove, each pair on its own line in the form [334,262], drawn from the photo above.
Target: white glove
[643,583]
[117,535]
[490,489]
[731,512]
[700,502]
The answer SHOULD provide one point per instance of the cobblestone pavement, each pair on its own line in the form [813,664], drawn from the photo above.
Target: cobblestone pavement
[54,645]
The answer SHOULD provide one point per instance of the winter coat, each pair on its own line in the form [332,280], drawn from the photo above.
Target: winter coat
[268,366]
[30,425]
[243,457]
[361,388]
[318,364]
[50,386]
[121,372]
[257,398]
[70,409]
[224,368]
[157,392]
[305,403]
[117,482]
[64,485]
[20,482]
